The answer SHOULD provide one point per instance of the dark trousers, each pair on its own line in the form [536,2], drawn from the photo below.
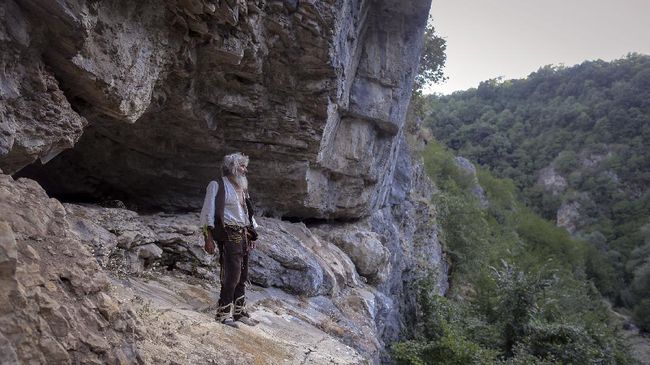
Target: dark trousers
[234,271]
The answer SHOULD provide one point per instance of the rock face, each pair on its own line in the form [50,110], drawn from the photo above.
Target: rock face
[477,190]
[551,181]
[364,248]
[407,224]
[568,216]
[374,263]
[48,263]
[336,296]
[36,119]
[136,102]
[314,91]
[362,302]
[55,305]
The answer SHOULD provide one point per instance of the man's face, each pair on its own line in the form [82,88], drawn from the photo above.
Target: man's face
[242,170]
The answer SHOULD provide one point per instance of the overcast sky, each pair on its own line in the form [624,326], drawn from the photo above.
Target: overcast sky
[512,38]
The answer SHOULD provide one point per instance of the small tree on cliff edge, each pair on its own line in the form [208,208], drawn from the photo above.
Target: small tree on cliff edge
[430,71]
[432,60]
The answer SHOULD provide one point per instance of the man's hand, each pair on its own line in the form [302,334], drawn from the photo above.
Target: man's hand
[208,245]
[251,237]
[251,233]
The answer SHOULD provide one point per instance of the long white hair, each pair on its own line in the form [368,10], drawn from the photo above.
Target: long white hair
[230,167]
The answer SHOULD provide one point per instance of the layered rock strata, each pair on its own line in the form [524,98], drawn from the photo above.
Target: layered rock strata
[314,91]
[59,306]
[151,95]
[55,302]
[376,262]
[355,282]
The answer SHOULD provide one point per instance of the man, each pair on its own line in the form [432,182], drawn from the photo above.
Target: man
[227,218]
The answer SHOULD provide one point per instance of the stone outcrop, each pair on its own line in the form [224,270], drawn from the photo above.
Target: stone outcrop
[364,248]
[133,104]
[326,292]
[571,212]
[477,190]
[568,216]
[36,119]
[288,256]
[314,91]
[58,306]
[551,181]
[55,305]
[126,242]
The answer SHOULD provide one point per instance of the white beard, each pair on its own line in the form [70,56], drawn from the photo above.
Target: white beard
[242,181]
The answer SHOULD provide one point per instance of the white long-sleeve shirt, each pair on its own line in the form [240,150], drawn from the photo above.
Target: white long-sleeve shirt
[233,212]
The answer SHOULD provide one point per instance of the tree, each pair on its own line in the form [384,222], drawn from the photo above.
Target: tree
[432,60]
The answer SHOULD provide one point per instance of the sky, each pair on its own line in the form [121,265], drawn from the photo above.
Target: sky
[511,38]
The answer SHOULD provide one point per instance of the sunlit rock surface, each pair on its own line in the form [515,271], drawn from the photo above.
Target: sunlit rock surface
[314,91]
[55,302]
[125,109]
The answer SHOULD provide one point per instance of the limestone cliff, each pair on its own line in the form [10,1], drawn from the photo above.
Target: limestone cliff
[114,101]
[314,91]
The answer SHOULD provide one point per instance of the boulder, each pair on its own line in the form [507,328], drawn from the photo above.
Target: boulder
[51,283]
[365,249]
[282,261]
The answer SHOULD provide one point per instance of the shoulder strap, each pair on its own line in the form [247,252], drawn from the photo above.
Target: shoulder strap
[220,203]
[249,208]
[219,228]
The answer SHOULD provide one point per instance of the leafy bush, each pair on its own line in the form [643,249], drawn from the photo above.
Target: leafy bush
[517,331]
[642,314]
[441,339]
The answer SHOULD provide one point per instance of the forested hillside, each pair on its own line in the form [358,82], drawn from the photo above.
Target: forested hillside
[576,142]
[518,292]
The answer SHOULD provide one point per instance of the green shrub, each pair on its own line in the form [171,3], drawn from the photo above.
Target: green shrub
[519,293]
[441,338]
[642,315]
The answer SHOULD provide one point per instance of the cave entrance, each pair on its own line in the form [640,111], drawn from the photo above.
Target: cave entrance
[146,167]
[62,182]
